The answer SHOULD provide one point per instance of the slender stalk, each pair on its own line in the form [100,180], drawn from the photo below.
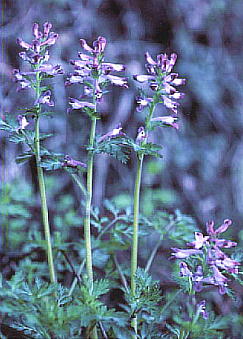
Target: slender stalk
[41,182]
[123,278]
[152,255]
[76,279]
[89,192]
[134,257]
[87,233]
[79,183]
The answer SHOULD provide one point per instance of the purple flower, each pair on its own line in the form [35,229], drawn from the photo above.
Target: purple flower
[50,69]
[45,98]
[219,280]
[74,79]
[116,80]
[98,45]
[108,67]
[182,254]
[141,135]
[52,38]
[69,162]
[47,27]
[22,122]
[20,78]
[24,44]
[116,132]
[197,279]
[143,78]
[184,270]
[173,105]
[37,34]
[224,243]
[77,104]
[200,240]
[201,308]
[220,229]
[142,103]
[167,120]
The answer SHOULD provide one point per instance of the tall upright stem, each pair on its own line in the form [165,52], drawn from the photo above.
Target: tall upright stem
[134,256]
[87,233]
[41,182]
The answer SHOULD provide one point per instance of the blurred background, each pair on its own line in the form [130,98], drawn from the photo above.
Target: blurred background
[201,172]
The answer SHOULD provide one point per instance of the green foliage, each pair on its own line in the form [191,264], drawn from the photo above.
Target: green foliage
[9,124]
[45,310]
[147,149]
[118,148]
[15,203]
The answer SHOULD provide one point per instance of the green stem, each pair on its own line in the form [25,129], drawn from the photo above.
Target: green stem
[122,276]
[134,257]
[89,191]
[87,233]
[152,255]
[41,182]
[79,183]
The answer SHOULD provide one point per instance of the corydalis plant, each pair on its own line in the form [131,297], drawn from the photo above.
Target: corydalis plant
[205,262]
[161,82]
[94,74]
[37,55]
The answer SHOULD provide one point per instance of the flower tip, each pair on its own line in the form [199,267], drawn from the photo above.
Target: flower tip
[228,222]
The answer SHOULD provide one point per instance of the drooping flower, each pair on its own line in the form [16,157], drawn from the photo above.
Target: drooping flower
[220,229]
[45,98]
[22,122]
[201,308]
[20,78]
[142,102]
[77,104]
[116,132]
[168,121]
[50,69]
[70,162]
[184,253]
[141,135]
[184,270]
[200,240]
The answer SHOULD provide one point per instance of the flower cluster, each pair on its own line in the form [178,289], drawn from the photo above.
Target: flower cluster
[162,83]
[93,73]
[212,262]
[36,53]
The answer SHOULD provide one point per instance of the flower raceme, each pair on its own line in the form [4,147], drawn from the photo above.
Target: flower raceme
[216,264]
[37,55]
[162,83]
[94,73]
